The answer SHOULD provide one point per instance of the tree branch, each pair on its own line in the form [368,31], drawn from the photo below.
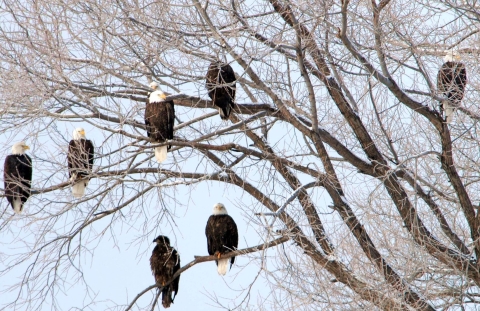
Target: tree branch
[200,259]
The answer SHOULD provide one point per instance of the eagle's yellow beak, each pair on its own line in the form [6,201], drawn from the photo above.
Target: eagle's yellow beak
[82,132]
[25,147]
[163,96]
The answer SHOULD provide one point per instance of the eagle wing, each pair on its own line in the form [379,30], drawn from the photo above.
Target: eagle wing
[148,114]
[156,263]
[228,77]
[176,282]
[153,262]
[211,79]
[171,118]
[210,233]
[443,78]
[71,157]
[231,238]
[91,153]
[26,172]
[460,80]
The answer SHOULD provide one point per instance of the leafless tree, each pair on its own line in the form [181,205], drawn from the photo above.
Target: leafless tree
[337,142]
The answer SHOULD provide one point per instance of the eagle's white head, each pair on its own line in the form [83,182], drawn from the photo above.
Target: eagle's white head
[219,209]
[153,85]
[19,148]
[79,133]
[157,96]
[452,56]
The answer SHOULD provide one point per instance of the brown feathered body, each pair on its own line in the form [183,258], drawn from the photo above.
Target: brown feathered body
[451,83]
[164,262]
[80,158]
[221,87]
[160,120]
[80,163]
[222,237]
[17,176]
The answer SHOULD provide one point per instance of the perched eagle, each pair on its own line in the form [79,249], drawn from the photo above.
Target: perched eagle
[221,87]
[222,236]
[80,161]
[164,262]
[159,119]
[451,82]
[17,175]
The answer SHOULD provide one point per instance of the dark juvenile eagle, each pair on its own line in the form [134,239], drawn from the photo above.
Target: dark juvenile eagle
[221,87]
[451,82]
[164,262]
[159,119]
[17,176]
[222,236]
[80,161]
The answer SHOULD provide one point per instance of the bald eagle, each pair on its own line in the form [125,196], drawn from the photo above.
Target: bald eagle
[80,161]
[164,262]
[221,87]
[159,119]
[222,236]
[17,175]
[451,82]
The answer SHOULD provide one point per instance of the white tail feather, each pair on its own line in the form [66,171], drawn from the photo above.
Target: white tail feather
[78,189]
[17,205]
[222,266]
[161,153]
[448,111]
